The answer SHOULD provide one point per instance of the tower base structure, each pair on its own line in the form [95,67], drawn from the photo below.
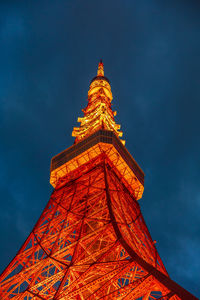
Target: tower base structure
[91,241]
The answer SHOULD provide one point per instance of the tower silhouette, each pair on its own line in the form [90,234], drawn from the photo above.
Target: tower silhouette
[91,241]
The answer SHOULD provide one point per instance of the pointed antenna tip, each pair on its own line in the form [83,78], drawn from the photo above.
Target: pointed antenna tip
[100,71]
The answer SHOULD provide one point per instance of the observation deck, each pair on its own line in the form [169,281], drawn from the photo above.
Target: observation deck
[102,141]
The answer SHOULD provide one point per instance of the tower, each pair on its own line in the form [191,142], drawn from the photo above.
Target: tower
[91,241]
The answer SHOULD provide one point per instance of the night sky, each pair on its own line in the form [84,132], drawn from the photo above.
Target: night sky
[49,51]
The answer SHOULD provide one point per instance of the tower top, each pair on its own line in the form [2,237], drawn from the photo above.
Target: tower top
[100,71]
[98,114]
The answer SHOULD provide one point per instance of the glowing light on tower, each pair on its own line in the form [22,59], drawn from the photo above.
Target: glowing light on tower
[91,241]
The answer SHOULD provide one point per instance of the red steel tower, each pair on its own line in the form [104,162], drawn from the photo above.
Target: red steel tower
[91,241]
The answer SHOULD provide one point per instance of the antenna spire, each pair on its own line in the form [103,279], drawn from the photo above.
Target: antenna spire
[100,71]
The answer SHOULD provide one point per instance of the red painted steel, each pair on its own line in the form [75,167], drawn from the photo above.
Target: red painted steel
[91,242]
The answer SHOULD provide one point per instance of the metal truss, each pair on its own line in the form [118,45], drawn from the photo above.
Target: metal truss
[91,242]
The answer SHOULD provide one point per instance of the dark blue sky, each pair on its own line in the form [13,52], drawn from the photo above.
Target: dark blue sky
[49,51]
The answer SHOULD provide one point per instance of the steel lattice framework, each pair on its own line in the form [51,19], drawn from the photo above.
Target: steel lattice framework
[91,241]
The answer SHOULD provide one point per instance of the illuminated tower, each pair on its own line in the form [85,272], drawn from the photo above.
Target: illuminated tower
[91,241]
